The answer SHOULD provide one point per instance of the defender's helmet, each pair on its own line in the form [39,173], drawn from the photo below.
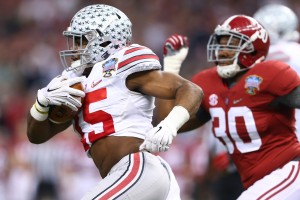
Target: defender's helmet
[253,44]
[105,28]
[280,21]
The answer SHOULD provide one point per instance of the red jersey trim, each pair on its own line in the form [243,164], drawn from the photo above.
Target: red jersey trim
[294,173]
[134,49]
[135,58]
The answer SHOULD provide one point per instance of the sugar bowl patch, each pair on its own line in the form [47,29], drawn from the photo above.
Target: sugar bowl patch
[109,66]
[252,83]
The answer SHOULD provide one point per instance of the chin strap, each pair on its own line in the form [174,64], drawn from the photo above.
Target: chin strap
[230,71]
[259,60]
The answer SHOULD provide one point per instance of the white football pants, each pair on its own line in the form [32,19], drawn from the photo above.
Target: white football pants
[281,184]
[142,176]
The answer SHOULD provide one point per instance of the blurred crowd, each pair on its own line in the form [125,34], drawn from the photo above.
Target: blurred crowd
[30,39]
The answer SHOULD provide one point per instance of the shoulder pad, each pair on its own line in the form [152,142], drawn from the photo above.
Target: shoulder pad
[138,58]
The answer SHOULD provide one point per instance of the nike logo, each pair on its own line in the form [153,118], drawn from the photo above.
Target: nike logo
[94,84]
[237,101]
[48,90]
[159,128]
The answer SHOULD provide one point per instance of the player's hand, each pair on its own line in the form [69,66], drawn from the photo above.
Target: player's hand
[159,138]
[58,92]
[175,51]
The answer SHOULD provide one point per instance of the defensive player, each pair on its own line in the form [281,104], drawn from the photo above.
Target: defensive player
[251,104]
[121,81]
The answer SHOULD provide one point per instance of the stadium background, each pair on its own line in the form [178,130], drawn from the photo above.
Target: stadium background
[30,39]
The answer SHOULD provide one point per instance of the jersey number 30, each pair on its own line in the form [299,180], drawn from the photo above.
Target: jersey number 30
[229,120]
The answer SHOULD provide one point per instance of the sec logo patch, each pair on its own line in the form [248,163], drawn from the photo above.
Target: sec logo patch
[213,99]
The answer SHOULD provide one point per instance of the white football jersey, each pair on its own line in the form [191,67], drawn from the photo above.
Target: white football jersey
[287,52]
[110,108]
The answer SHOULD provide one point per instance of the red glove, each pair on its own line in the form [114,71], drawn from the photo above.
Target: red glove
[175,51]
[174,43]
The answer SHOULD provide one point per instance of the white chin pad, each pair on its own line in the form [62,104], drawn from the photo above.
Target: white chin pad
[75,69]
[75,65]
[228,71]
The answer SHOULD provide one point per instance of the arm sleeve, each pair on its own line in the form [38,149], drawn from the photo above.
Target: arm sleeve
[292,99]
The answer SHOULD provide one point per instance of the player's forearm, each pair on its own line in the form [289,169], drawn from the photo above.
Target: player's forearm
[162,109]
[41,131]
[187,98]
[189,95]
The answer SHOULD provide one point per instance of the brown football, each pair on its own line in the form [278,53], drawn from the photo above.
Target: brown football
[62,114]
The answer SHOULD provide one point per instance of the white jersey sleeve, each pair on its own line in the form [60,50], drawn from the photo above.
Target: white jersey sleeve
[137,58]
[287,52]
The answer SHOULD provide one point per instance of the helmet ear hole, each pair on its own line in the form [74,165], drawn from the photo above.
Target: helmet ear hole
[100,33]
[253,53]
[105,44]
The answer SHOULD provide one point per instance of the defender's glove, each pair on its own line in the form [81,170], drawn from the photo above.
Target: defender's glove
[160,137]
[57,92]
[175,51]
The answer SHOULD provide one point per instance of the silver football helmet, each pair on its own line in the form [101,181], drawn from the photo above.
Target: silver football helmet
[95,32]
[280,21]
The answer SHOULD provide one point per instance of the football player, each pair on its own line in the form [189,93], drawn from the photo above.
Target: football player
[120,83]
[251,104]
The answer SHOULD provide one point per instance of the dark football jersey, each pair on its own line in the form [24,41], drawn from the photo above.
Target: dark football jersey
[259,136]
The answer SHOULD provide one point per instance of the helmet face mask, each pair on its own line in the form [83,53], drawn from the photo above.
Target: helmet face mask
[214,45]
[246,37]
[95,32]
[75,50]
